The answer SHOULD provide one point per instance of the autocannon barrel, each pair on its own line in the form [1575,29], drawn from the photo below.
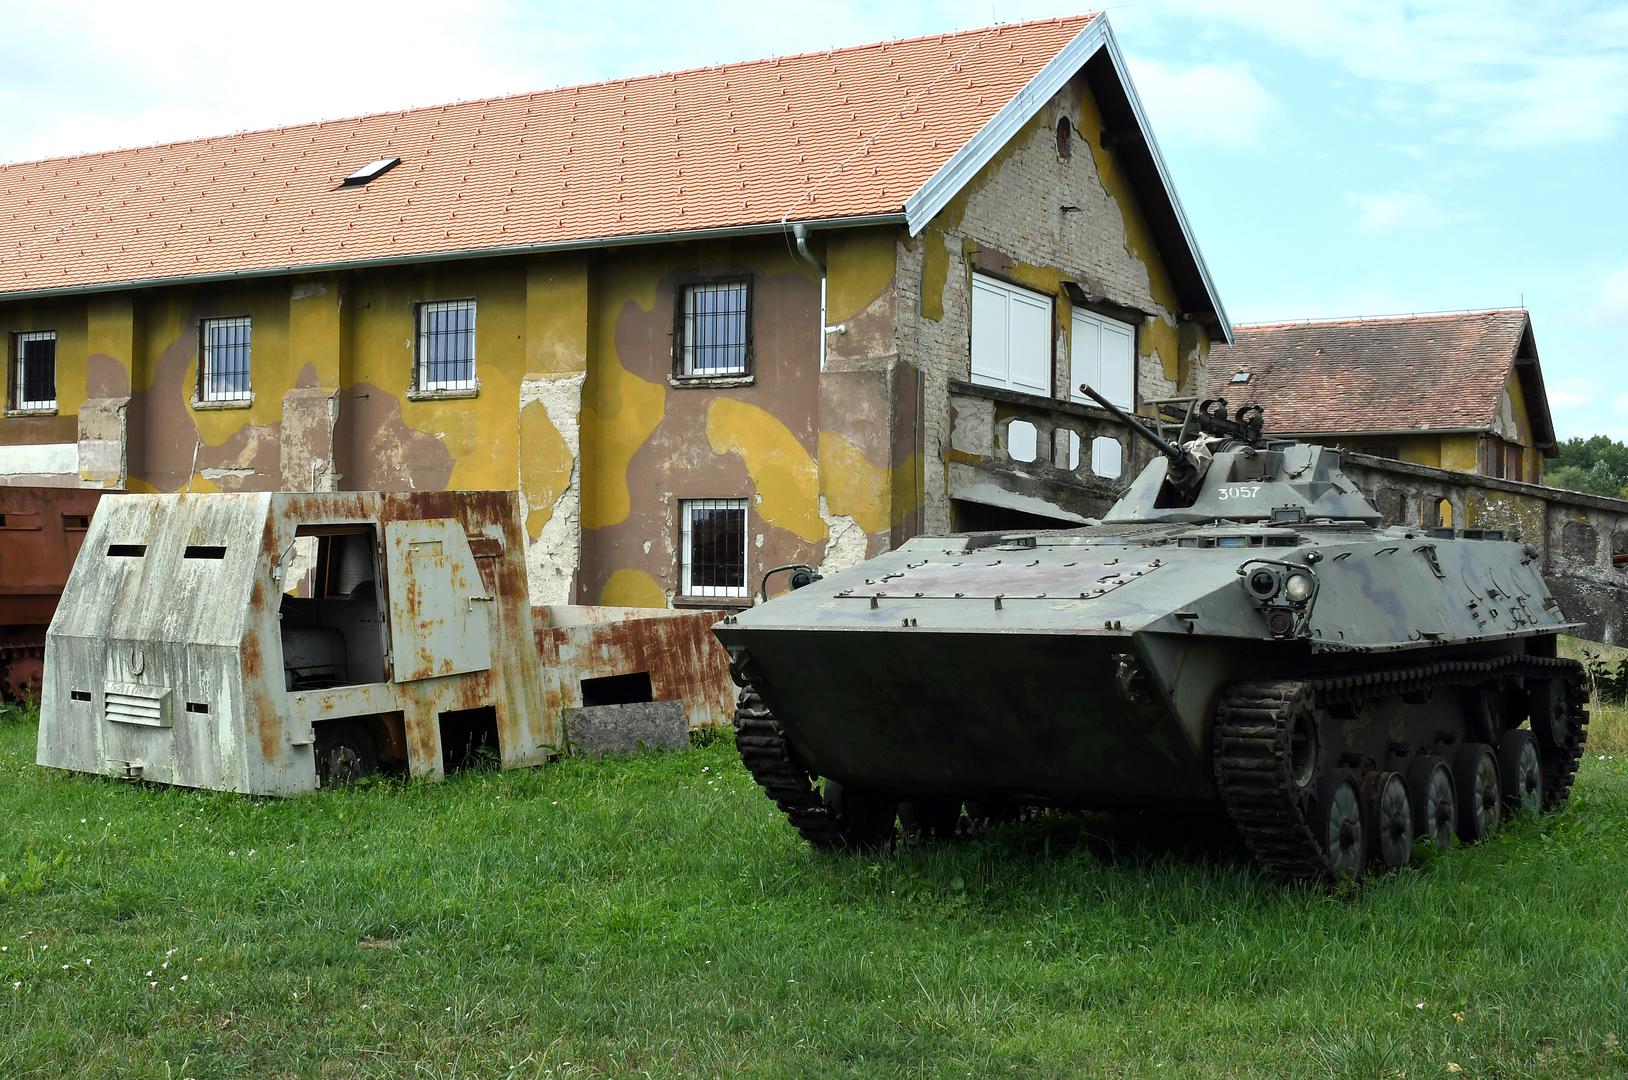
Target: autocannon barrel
[1169,449]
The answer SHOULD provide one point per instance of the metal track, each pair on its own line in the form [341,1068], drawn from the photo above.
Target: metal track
[773,764]
[1250,741]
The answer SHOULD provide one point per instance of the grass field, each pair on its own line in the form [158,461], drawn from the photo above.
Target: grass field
[656,917]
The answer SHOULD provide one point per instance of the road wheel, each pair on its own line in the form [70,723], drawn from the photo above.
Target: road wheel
[345,754]
[1520,771]
[1393,821]
[1435,805]
[861,817]
[1480,796]
[1340,828]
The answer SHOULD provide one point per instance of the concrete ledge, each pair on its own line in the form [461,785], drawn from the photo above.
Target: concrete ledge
[624,730]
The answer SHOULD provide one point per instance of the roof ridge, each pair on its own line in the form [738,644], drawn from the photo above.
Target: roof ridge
[1414,316]
[1083,19]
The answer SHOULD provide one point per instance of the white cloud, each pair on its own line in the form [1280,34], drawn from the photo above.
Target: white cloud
[1572,393]
[1207,103]
[1392,210]
[1613,297]
[1496,71]
[136,73]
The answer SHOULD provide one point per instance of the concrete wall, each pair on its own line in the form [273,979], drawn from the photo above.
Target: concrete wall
[1578,535]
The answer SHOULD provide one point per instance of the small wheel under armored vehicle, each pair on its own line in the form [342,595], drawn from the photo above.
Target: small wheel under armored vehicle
[1239,634]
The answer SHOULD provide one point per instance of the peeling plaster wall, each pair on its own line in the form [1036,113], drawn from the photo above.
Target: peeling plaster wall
[1009,222]
[649,443]
[551,484]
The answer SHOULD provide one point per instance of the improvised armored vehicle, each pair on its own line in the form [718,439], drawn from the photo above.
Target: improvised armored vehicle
[272,643]
[1238,634]
[267,642]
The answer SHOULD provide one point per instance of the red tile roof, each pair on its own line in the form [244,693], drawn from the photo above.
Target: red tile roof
[841,134]
[1396,374]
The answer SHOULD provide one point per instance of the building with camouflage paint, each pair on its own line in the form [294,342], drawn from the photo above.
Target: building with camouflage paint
[706,323]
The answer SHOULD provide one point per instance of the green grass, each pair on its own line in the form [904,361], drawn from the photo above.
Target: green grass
[657,917]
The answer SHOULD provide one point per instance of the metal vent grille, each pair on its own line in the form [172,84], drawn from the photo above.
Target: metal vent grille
[129,703]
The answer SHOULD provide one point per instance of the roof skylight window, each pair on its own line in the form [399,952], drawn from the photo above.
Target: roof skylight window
[1240,376]
[369,171]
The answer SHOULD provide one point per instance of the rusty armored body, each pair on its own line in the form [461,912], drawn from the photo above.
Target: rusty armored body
[1239,633]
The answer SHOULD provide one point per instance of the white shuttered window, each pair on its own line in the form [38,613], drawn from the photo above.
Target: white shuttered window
[1011,337]
[1102,354]
[1011,345]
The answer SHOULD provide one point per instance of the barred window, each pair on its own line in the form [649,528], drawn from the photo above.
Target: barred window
[446,346]
[715,321]
[223,373]
[712,547]
[33,370]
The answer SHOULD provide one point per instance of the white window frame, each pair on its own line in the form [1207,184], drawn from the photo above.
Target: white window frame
[1089,335]
[207,364]
[422,381]
[19,370]
[1093,330]
[686,554]
[992,365]
[686,336]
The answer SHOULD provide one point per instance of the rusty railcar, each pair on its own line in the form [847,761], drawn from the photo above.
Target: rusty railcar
[41,529]
[271,643]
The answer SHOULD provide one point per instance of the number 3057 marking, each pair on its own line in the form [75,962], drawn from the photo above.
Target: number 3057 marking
[1238,492]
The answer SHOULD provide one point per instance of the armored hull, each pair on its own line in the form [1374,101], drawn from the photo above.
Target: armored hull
[1255,645]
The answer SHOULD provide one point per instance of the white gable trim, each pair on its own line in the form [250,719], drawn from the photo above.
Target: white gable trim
[934,195]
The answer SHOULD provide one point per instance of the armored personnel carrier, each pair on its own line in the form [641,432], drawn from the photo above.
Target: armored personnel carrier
[1238,635]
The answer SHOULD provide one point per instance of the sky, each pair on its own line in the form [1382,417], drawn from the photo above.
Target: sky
[1334,158]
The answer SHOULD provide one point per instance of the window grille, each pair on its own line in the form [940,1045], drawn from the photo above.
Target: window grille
[446,346]
[34,370]
[712,547]
[224,373]
[714,339]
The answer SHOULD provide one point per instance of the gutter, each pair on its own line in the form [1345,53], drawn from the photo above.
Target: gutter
[466,254]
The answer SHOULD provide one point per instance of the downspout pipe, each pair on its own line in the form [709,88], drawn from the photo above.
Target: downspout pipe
[799,232]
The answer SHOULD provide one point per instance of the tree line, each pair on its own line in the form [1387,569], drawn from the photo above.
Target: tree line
[1596,465]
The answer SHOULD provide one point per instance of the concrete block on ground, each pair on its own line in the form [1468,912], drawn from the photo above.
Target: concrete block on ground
[622,730]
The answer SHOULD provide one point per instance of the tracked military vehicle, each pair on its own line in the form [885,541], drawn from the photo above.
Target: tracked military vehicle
[1238,635]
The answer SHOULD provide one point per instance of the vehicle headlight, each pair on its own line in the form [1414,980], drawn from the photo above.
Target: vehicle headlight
[1298,588]
[1263,583]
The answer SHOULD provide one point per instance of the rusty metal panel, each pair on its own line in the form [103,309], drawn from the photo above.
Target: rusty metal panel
[439,607]
[41,530]
[676,648]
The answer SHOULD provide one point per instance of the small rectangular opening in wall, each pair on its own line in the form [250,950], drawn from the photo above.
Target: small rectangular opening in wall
[73,521]
[469,738]
[198,707]
[204,551]
[79,695]
[617,689]
[126,551]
